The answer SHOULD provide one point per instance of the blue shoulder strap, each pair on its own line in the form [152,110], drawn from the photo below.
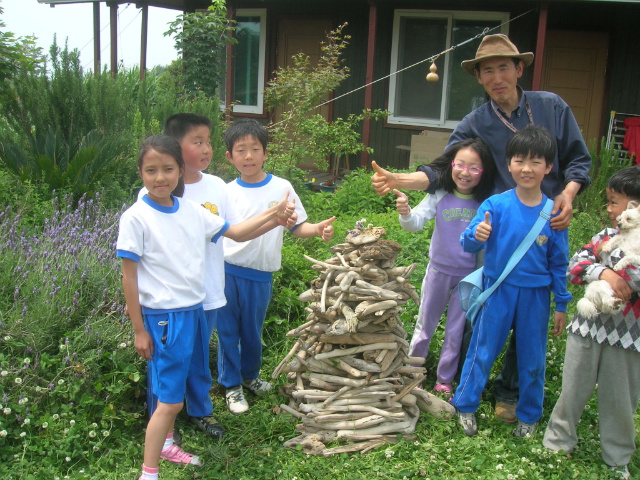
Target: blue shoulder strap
[545,215]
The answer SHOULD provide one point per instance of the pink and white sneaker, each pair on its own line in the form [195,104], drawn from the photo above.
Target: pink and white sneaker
[176,455]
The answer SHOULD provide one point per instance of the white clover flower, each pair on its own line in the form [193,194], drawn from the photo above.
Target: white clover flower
[416,443]
[67,459]
[45,424]
[27,421]
[281,438]
[389,453]
[4,373]
[23,434]
[6,411]
[3,433]
[62,347]
[55,416]
[520,472]
[509,477]
[7,338]
[18,380]
[72,422]
[26,361]
[22,401]
[122,345]
[555,378]
[499,466]
[105,433]
[92,434]
[65,431]
[94,425]
[38,388]
[96,448]
[61,382]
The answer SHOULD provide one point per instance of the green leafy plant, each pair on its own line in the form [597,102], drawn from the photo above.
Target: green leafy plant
[201,38]
[295,94]
[79,167]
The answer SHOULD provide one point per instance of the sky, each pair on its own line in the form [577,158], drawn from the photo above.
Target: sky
[75,23]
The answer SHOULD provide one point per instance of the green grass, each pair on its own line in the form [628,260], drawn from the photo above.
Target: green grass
[83,382]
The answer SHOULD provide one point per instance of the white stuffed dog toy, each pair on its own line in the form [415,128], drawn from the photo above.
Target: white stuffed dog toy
[598,296]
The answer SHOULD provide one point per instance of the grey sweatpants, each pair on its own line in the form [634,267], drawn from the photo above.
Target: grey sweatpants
[617,373]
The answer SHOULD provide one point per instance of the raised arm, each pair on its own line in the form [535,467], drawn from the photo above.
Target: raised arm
[384,181]
[323,229]
[241,231]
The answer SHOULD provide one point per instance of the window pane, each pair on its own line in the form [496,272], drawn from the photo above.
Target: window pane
[420,38]
[465,93]
[246,61]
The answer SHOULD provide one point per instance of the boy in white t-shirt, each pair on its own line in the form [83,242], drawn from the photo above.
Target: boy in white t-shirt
[249,266]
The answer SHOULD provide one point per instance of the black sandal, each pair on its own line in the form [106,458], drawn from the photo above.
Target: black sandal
[209,425]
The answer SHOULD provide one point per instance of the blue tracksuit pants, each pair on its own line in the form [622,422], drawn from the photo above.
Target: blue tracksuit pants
[526,310]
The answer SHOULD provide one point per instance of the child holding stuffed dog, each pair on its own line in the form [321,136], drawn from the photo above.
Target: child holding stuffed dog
[604,350]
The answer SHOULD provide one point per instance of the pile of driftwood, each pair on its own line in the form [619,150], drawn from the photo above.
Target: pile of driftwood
[351,376]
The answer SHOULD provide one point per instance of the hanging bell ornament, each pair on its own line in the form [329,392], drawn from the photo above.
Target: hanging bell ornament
[433,76]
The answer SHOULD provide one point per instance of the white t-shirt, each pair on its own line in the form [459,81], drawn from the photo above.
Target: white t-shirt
[170,245]
[245,200]
[210,192]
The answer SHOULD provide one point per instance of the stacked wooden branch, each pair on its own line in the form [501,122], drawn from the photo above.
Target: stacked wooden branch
[351,374]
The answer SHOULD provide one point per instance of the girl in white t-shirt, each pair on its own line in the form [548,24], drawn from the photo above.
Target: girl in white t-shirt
[162,243]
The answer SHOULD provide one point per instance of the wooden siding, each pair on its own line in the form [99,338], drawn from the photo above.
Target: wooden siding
[619,20]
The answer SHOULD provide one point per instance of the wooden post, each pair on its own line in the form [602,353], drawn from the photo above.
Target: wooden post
[368,91]
[143,40]
[114,38]
[97,67]
[539,58]
[231,15]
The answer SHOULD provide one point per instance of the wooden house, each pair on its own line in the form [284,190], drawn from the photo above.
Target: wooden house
[587,51]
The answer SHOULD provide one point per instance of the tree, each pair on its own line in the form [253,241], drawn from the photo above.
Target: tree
[202,38]
[16,53]
[296,92]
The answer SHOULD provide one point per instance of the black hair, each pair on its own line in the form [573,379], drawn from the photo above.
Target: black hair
[179,124]
[245,128]
[627,182]
[532,141]
[168,146]
[442,167]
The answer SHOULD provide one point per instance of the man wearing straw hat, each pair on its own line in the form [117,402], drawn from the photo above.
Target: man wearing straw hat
[498,65]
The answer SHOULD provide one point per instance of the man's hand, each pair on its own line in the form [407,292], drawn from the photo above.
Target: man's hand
[402,203]
[290,222]
[325,229]
[483,230]
[620,287]
[382,180]
[563,204]
[559,323]
[143,344]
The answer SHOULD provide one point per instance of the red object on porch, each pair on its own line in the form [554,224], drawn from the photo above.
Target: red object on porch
[631,140]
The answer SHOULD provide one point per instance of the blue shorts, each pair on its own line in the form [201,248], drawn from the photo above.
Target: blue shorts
[180,349]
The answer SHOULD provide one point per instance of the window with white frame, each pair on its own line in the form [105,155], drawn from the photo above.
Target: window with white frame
[249,61]
[420,34]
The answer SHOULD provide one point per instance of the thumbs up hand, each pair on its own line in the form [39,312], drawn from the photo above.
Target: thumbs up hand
[402,203]
[382,180]
[483,230]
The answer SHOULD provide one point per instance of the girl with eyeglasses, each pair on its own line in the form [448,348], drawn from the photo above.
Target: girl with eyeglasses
[465,172]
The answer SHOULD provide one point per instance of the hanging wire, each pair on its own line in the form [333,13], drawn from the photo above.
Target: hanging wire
[433,58]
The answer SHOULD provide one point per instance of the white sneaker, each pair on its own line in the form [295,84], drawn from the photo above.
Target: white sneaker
[235,400]
[621,471]
[257,386]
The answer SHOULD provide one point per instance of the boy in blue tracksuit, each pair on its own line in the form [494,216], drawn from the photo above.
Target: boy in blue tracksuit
[522,301]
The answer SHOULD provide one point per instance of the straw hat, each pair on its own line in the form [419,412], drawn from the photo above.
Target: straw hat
[496,46]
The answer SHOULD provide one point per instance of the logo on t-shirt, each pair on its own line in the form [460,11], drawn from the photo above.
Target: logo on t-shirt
[211,207]
[460,214]
[273,203]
